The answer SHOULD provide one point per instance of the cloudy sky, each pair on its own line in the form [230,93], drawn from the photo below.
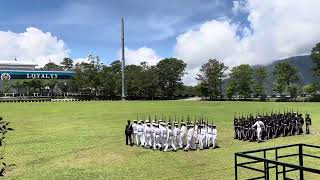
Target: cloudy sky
[235,32]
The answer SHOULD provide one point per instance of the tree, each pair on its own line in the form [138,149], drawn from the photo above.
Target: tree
[315,56]
[51,83]
[210,77]
[86,79]
[134,80]
[150,80]
[242,79]
[279,88]
[260,75]
[286,74]
[67,63]
[309,89]
[170,73]
[293,91]
[110,79]
[18,85]
[51,66]
[230,89]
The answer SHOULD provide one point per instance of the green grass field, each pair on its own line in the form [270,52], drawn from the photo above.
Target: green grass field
[85,140]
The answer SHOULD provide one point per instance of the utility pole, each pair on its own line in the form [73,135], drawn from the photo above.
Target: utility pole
[123,96]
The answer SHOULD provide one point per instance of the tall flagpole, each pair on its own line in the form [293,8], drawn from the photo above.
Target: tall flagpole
[123,96]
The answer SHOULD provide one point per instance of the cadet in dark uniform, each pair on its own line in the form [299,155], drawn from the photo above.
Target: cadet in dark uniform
[128,133]
[308,124]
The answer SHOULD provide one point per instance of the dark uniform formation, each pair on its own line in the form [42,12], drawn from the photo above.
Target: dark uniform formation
[264,127]
[160,135]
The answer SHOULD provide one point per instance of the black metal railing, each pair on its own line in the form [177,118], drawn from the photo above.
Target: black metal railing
[280,167]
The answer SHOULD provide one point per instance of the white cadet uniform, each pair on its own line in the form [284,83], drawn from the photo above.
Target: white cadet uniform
[259,124]
[170,140]
[214,137]
[190,139]
[209,136]
[196,132]
[148,136]
[163,135]
[202,137]
[176,133]
[183,136]
[141,134]
[135,133]
[152,133]
[157,138]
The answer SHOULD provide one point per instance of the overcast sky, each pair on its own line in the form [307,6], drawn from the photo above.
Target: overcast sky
[235,32]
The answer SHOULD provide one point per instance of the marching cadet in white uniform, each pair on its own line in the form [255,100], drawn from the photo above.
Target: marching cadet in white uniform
[170,139]
[202,136]
[176,133]
[148,135]
[214,137]
[163,130]
[141,134]
[152,132]
[259,125]
[190,139]
[183,135]
[209,136]
[157,137]
[135,132]
[196,132]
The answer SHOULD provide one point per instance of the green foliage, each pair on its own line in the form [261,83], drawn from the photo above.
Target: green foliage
[310,89]
[51,66]
[231,89]
[67,63]
[4,129]
[260,75]
[315,56]
[241,77]
[286,73]
[170,73]
[293,90]
[210,77]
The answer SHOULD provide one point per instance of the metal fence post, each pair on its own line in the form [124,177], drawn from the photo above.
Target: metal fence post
[277,171]
[301,160]
[235,167]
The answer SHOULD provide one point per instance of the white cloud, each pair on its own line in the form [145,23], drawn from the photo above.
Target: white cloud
[279,29]
[239,6]
[139,55]
[32,46]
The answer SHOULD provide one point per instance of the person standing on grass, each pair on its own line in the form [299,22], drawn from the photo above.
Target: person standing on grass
[214,137]
[308,124]
[148,136]
[128,133]
[170,139]
[183,135]
[135,132]
[259,125]
[176,133]
[140,134]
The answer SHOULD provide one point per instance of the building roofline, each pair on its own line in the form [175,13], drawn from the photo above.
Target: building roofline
[18,64]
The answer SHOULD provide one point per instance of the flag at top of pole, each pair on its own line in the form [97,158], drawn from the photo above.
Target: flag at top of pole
[123,96]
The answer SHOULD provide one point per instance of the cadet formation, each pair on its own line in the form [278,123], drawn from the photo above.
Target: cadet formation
[165,136]
[264,127]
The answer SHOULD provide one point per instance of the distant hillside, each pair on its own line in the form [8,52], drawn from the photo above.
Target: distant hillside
[302,63]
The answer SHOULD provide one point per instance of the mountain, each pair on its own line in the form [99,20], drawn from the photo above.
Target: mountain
[304,65]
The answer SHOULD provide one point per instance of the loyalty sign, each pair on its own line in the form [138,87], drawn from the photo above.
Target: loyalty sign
[42,76]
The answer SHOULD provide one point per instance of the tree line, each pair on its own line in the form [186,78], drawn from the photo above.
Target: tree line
[164,80]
